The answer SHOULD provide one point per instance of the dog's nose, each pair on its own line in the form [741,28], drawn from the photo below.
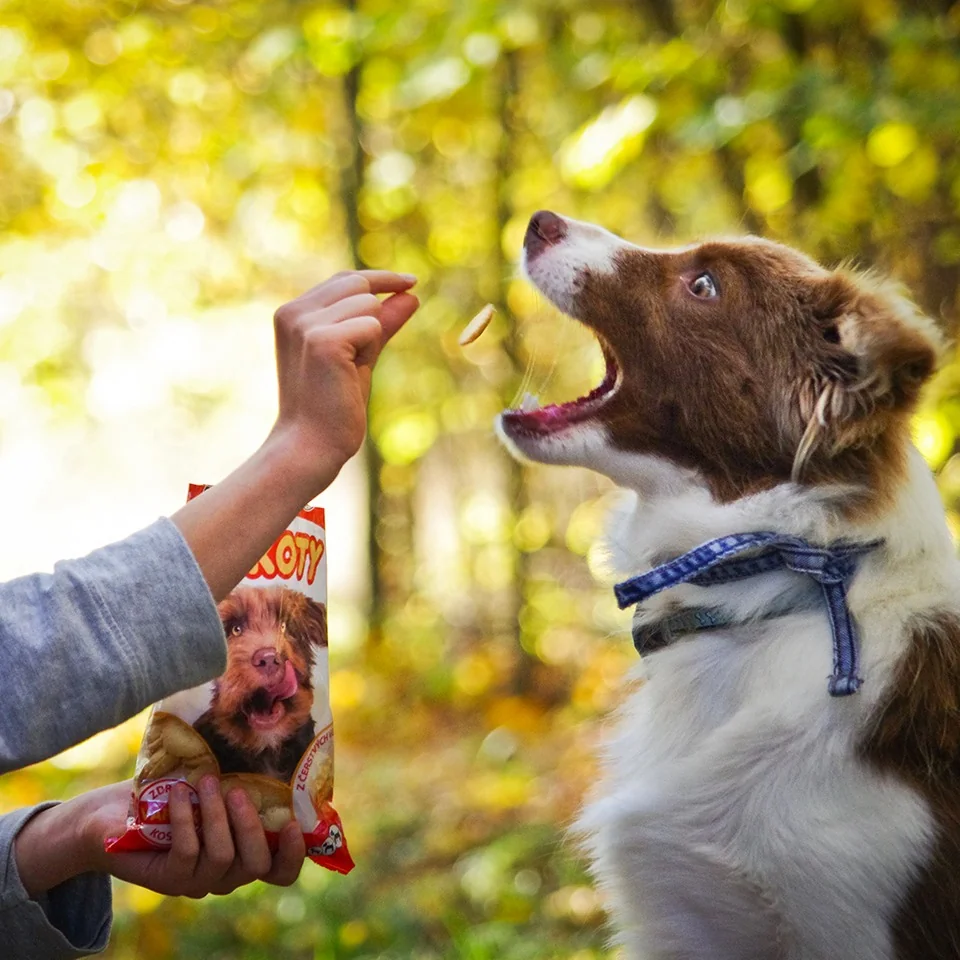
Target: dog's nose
[268,662]
[544,230]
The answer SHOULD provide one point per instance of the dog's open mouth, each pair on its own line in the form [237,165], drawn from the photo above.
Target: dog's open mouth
[266,707]
[532,418]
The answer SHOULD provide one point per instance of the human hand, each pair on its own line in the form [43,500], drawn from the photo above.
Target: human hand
[327,342]
[231,852]
[67,840]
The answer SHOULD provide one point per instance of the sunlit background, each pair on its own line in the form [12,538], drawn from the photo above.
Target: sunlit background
[172,171]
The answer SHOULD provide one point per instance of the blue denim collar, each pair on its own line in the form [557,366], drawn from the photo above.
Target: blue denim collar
[719,561]
[651,636]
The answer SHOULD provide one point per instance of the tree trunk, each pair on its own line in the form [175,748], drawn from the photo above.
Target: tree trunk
[517,492]
[352,173]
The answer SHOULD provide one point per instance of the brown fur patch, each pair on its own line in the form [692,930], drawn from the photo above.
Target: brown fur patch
[266,630]
[788,359]
[916,737]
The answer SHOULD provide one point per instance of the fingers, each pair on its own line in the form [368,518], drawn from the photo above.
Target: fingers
[233,850]
[366,337]
[385,281]
[289,857]
[218,851]
[351,282]
[295,320]
[195,868]
[395,311]
[253,859]
[213,816]
[363,304]
[248,835]
[345,297]
[362,319]
[185,848]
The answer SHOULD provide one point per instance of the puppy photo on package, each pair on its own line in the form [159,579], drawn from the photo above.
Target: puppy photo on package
[265,724]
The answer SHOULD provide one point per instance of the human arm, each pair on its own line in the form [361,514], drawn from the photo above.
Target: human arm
[99,639]
[54,874]
[104,636]
[327,343]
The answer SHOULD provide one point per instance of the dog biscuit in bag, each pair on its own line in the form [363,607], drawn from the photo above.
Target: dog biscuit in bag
[264,725]
[172,748]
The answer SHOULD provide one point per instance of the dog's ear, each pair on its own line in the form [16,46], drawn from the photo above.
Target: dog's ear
[885,347]
[306,619]
[874,351]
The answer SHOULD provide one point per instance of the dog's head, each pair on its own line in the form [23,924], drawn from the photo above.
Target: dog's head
[266,692]
[741,362]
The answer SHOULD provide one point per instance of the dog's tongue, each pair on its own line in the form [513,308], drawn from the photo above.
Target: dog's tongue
[286,686]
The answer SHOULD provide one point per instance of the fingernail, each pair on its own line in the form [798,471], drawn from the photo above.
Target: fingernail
[236,799]
[209,786]
[409,277]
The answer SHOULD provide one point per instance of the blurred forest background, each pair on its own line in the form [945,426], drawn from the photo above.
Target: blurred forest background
[170,171]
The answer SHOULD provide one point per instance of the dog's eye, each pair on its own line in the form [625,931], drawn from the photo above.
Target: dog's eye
[283,626]
[236,630]
[703,286]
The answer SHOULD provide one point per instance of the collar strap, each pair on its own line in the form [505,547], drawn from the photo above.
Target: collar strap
[648,637]
[719,561]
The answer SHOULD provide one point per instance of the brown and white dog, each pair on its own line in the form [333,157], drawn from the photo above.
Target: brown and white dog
[259,719]
[744,813]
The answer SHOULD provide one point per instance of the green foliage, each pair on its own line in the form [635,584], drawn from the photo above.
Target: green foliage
[166,163]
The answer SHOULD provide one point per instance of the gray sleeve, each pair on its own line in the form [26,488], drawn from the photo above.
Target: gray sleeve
[71,920]
[102,637]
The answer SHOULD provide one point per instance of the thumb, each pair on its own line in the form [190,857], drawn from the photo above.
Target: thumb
[365,335]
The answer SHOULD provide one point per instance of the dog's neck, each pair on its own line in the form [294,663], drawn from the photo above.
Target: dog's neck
[670,513]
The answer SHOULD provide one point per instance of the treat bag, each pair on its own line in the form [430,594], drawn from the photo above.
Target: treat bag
[265,725]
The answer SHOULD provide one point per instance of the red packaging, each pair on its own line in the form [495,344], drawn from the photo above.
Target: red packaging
[265,725]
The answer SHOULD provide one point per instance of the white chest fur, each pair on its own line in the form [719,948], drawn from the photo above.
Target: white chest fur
[735,819]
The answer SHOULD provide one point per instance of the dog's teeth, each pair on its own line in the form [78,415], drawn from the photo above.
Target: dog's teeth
[529,403]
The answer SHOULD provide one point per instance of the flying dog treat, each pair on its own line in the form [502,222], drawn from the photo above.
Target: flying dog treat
[265,724]
[477,325]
